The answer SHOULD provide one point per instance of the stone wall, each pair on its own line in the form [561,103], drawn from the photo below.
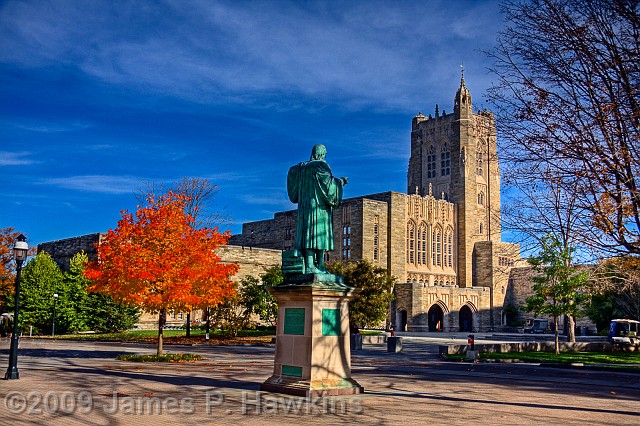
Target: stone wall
[61,251]
[538,347]
[252,261]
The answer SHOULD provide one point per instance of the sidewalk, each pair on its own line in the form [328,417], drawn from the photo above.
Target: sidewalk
[74,383]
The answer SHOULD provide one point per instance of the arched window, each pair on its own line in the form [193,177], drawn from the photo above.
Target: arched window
[436,248]
[422,245]
[411,243]
[448,252]
[481,198]
[445,161]
[431,162]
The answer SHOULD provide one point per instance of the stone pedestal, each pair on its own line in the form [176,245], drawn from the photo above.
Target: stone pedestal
[394,344]
[312,346]
[356,342]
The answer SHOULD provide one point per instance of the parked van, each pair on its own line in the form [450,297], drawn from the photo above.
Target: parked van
[539,326]
[624,331]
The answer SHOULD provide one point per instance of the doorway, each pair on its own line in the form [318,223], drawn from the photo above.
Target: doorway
[436,317]
[466,319]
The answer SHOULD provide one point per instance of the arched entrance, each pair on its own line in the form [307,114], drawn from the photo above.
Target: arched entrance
[436,317]
[466,319]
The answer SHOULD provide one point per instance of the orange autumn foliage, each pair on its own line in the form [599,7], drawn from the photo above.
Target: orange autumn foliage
[155,259]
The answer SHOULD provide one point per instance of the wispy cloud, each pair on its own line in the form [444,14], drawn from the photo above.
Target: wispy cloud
[15,158]
[352,53]
[97,183]
[44,127]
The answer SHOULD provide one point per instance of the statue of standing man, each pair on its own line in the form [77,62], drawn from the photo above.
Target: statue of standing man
[311,185]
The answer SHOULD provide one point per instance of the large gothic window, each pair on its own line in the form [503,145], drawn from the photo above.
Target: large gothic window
[445,161]
[431,162]
[411,243]
[422,245]
[436,248]
[448,252]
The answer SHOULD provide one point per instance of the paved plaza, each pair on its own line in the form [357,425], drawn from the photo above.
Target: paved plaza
[73,383]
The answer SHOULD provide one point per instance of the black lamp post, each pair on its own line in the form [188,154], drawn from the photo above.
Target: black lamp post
[19,255]
[53,320]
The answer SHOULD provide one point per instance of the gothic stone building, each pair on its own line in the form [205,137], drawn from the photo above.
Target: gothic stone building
[441,239]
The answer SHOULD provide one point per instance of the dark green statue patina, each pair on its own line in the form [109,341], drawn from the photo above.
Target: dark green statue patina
[311,185]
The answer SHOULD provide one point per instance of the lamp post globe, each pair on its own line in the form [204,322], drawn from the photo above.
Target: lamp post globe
[20,249]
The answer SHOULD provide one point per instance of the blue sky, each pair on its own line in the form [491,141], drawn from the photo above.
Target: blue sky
[99,97]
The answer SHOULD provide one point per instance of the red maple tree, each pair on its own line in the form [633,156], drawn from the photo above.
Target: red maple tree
[8,237]
[156,260]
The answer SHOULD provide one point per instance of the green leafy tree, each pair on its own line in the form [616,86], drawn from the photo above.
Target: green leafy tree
[95,311]
[105,315]
[558,286]
[370,308]
[41,279]
[228,316]
[256,298]
[8,237]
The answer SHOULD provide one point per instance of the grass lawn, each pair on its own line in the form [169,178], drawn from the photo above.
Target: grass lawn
[564,357]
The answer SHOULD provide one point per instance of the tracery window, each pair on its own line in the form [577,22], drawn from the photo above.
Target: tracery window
[422,245]
[411,243]
[436,248]
[448,252]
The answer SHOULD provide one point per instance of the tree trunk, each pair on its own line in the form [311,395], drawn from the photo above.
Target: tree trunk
[556,341]
[188,324]
[571,332]
[208,328]
[160,328]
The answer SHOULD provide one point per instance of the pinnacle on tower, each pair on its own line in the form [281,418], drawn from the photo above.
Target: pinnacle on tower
[462,101]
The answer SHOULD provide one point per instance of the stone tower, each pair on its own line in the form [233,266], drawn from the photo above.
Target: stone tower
[453,156]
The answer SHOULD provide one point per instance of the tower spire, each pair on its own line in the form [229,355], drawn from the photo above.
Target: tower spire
[462,101]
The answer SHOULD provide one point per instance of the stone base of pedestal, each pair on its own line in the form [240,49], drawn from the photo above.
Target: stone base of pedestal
[316,388]
[394,344]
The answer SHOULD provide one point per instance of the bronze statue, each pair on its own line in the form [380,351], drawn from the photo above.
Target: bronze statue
[311,185]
